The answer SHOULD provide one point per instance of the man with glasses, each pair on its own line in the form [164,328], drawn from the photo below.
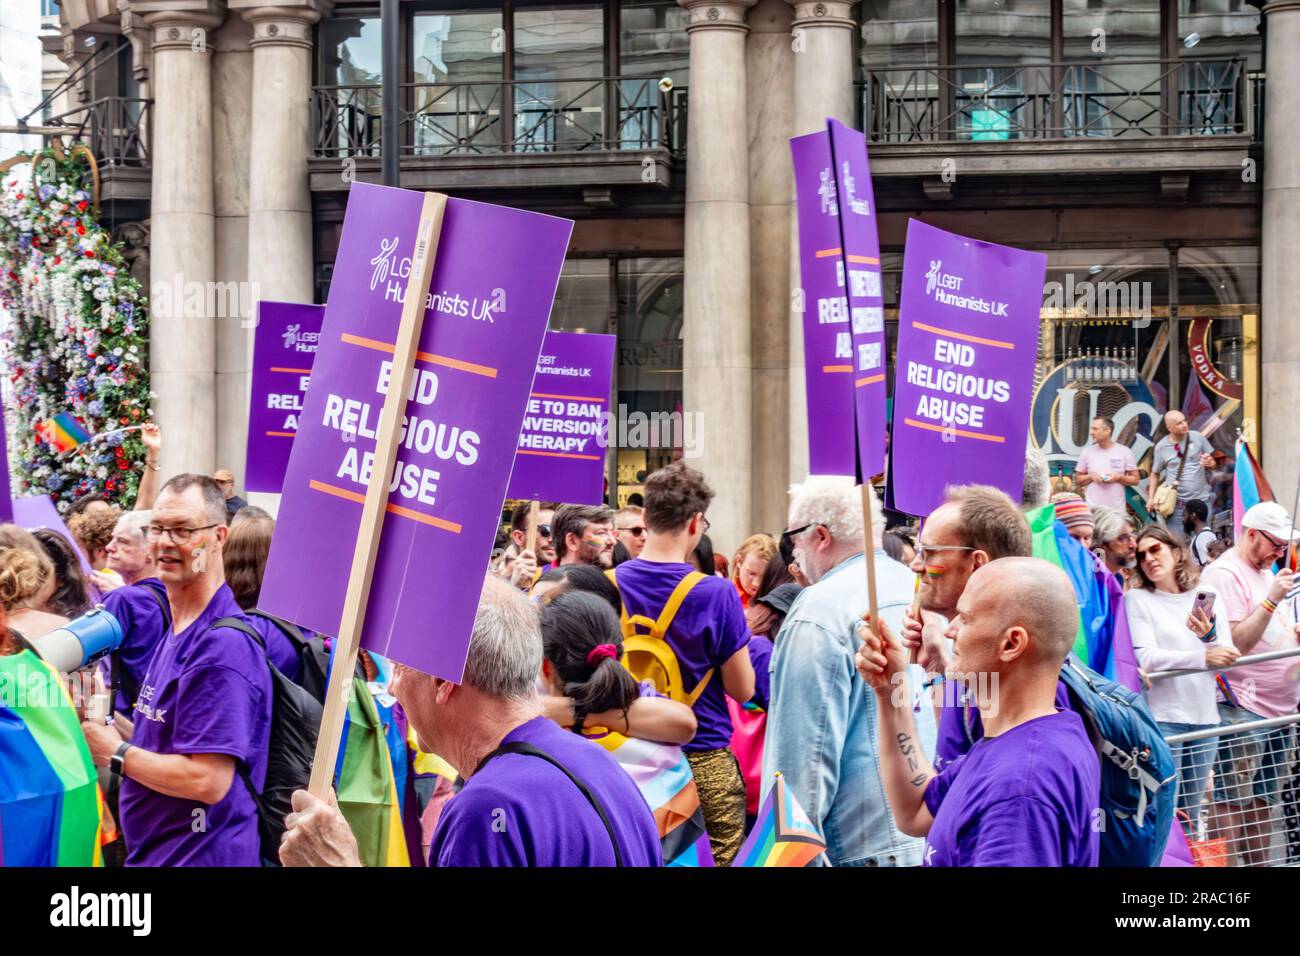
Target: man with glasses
[139,604]
[583,534]
[629,525]
[821,722]
[203,713]
[1250,766]
[527,567]
[975,525]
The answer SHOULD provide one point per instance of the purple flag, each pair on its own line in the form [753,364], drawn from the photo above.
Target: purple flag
[493,284]
[967,340]
[39,512]
[861,264]
[827,336]
[284,345]
[561,455]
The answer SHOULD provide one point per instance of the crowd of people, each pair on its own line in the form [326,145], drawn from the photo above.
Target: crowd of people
[631,695]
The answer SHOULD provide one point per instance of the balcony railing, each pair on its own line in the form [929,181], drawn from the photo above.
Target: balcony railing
[1098,98]
[115,128]
[448,119]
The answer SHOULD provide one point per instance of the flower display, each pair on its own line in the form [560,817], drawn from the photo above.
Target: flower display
[75,338]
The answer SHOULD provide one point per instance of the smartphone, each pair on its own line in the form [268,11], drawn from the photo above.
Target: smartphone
[1204,602]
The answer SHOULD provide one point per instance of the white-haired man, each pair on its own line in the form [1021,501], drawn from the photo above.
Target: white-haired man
[535,794]
[820,729]
[138,600]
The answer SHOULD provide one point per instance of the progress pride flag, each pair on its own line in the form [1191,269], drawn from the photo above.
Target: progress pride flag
[284,345]
[967,339]
[494,281]
[561,454]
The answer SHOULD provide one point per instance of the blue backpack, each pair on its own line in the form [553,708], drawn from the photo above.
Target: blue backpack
[1138,775]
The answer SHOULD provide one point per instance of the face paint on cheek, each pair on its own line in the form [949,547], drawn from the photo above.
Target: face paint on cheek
[199,560]
[933,571]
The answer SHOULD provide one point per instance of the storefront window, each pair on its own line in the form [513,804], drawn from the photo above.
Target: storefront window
[1106,349]
[649,373]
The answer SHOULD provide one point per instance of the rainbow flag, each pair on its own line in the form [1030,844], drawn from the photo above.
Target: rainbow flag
[63,432]
[369,780]
[1102,641]
[663,775]
[783,835]
[1249,486]
[51,810]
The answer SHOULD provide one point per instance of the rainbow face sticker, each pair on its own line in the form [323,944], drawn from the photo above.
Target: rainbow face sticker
[933,571]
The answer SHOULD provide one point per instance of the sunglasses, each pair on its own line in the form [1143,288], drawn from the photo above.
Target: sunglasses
[637,531]
[544,530]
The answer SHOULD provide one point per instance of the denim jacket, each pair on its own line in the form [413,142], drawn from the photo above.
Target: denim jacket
[821,725]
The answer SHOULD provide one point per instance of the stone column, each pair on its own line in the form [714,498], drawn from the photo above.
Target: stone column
[182,350]
[822,38]
[716,349]
[770,66]
[1279,279]
[232,98]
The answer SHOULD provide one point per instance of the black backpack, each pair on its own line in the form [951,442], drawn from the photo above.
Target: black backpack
[295,724]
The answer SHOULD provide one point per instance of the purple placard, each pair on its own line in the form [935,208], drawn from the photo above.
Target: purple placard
[967,339]
[39,512]
[827,338]
[861,258]
[6,505]
[284,345]
[493,285]
[561,455]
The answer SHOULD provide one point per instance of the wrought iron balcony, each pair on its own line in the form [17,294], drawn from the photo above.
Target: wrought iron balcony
[114,128]
[1103,98]
[518,116]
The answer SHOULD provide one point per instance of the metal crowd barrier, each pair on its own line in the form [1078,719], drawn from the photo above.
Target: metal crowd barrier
[1246,807]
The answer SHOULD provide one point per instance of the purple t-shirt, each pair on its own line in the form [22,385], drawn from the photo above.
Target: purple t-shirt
[206,692]
[280,649]
[521,810]
[952,741]
[1114,461]
[708,629]
[760,655]
[143,627]
[1027,797]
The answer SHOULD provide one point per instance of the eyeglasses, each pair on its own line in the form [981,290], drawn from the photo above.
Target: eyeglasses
[179,535]
[705,521]
[637,532]
[1277,545]
[923,549]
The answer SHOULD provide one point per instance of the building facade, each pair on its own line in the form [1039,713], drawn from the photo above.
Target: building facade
[1131,141]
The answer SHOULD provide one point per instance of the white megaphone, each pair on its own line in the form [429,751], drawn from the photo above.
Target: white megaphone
[81,641]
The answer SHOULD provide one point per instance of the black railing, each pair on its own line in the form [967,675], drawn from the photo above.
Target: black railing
[115,128]
[450,119]
[1097,98]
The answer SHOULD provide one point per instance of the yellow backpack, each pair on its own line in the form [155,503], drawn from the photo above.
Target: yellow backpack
[648,656]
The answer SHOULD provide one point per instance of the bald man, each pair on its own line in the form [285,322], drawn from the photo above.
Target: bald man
[1182,458]
[1026,793]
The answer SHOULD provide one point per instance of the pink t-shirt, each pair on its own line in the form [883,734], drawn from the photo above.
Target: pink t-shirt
[1114,461]
[1271,688]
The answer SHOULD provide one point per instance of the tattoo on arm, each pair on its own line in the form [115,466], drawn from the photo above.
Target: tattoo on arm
[908,750]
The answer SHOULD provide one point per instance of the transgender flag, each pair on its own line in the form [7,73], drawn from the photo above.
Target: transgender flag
[1249,486]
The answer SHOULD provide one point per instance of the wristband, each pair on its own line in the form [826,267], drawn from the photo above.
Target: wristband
[1268,606]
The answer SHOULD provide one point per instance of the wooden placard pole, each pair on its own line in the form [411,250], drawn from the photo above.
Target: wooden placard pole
[534,512]
[374,508]
[868,536]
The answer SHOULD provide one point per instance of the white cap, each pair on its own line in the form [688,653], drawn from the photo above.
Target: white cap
[1271,518]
